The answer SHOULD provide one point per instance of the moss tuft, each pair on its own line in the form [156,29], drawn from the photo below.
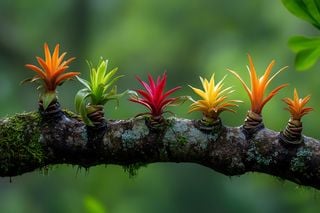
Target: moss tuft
[132,169]
[19,143]
[71,114]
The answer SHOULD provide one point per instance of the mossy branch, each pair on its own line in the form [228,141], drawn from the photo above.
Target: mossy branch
[28,142]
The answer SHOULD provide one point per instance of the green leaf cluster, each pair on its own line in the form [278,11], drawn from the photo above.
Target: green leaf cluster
[307,49]
[98,90]
[308,10]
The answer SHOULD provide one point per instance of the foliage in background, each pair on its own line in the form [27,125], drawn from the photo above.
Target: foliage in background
[99,90]
[92,205]
[307,49]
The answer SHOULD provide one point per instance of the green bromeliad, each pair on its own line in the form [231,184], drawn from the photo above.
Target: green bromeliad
[98,90]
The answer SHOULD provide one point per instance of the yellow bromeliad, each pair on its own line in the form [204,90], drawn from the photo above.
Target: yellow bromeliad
[213,100]
[296,105]
[259,86]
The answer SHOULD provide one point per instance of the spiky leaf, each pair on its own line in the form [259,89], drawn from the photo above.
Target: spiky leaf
[154,97]
[257,90]
[52,69]
[213,98]
[296,106]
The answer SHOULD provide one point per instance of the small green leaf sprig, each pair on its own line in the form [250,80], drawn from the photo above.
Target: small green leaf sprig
[99,90]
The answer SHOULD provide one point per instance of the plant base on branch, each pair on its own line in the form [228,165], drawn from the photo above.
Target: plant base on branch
[292,132]
[96,115]
[53,111]
[156,123]
[252,124]
[208,125]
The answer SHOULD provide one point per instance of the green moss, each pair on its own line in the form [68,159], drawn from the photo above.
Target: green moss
[19,142]
[132,169]
[298,163]
[45,170]
[71,114]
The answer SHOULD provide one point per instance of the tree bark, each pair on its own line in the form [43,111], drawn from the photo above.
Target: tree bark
[29,142]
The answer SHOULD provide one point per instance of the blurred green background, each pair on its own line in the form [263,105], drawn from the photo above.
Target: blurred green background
[186,38]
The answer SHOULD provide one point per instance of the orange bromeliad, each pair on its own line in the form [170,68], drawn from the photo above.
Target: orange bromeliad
[296,106]
[297,109]
[52,68]
[51,73]
[259,86]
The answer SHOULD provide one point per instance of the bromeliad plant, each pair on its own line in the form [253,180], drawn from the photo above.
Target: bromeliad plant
[214,100]
[99,90]
[50,74]
[296,106]
[257,92]
[297,109]
[155,98]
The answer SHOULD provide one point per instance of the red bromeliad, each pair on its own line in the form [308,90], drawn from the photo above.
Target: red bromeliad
[154,97]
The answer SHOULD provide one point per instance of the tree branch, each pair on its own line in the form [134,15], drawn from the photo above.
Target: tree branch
[27,143]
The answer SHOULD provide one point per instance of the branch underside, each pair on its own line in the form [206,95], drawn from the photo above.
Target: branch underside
[28,142]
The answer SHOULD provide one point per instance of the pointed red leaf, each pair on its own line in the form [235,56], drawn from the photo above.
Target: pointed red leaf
[154,97]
